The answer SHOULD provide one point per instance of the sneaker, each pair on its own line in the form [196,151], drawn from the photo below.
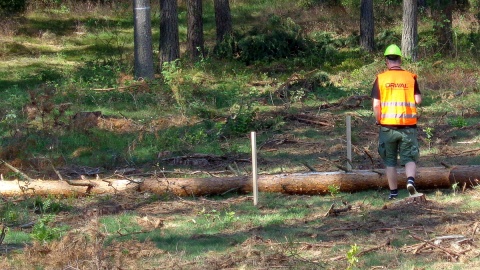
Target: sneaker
[392,196]
[411,187]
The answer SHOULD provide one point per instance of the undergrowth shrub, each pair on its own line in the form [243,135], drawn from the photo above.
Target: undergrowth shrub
[12,6]
[227,48]
[325,48]
[306,4]
[43,231]
[48,205]
[278,39]
[98,74]
[385,38]
[470,43]
[240,122]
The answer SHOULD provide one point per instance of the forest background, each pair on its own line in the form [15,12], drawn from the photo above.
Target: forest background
[291,71]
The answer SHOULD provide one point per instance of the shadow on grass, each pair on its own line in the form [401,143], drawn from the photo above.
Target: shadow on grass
[395,224]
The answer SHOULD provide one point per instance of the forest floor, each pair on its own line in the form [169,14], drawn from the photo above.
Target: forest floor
[146,231]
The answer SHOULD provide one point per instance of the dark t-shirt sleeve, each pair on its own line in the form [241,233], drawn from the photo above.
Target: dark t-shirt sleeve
[416,88]
[375,91]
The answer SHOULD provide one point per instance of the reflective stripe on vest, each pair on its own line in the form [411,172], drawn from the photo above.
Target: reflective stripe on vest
[397,97]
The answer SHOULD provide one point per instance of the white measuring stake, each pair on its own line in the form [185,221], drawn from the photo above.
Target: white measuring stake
[349,142]
[254,167]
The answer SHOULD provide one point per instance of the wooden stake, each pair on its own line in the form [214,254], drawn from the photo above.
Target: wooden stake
[254,167]
[349,142]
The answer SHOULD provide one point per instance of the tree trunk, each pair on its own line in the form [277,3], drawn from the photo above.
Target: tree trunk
[314,183]
[195,47]
[409,33]
[169,39]
[62,188]
[442,14]
[223,19]
[299,183]
[143,40]
[367,25]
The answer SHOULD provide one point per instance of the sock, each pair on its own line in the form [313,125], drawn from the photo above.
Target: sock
[411,180]
[393,194]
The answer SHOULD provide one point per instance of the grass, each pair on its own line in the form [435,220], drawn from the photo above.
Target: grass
[203,231]
[75,54]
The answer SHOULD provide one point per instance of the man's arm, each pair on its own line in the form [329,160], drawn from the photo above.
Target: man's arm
[418,95]
[375,95]
[418,99]
[377,109]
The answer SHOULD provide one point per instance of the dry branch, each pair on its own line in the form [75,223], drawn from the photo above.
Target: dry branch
[311,120]
[386,243]
[475,228]
[79,184]
[452,254]
[16,170]
[334,212]
[4,232]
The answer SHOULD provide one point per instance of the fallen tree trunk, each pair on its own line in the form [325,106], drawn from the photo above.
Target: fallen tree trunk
[311,183]
[63,188]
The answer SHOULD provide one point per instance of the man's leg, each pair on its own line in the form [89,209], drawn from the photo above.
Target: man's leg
[410,171]
[392,182]
[392,178]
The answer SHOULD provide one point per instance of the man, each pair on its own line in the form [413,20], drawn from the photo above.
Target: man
[395,96]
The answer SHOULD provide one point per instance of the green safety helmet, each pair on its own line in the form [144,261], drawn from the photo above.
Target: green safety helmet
[393,50]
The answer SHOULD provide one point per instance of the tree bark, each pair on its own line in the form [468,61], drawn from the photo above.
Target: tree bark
[315,183]
[409,32]
[195,43]
[442,14]
[169,37]
[367,25]
[223,19]
[62,188]
[143,40]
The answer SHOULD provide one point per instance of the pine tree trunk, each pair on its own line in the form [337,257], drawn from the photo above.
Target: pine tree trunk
[442,13]
[367,25]
[169,38]
[195,46]
[223,19]
[409,33]
[316,183]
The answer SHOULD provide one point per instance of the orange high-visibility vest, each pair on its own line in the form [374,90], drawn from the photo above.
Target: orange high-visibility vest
[397,97]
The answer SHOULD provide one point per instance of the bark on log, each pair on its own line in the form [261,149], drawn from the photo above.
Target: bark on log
[311,183]
[314,183]
[62,188]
